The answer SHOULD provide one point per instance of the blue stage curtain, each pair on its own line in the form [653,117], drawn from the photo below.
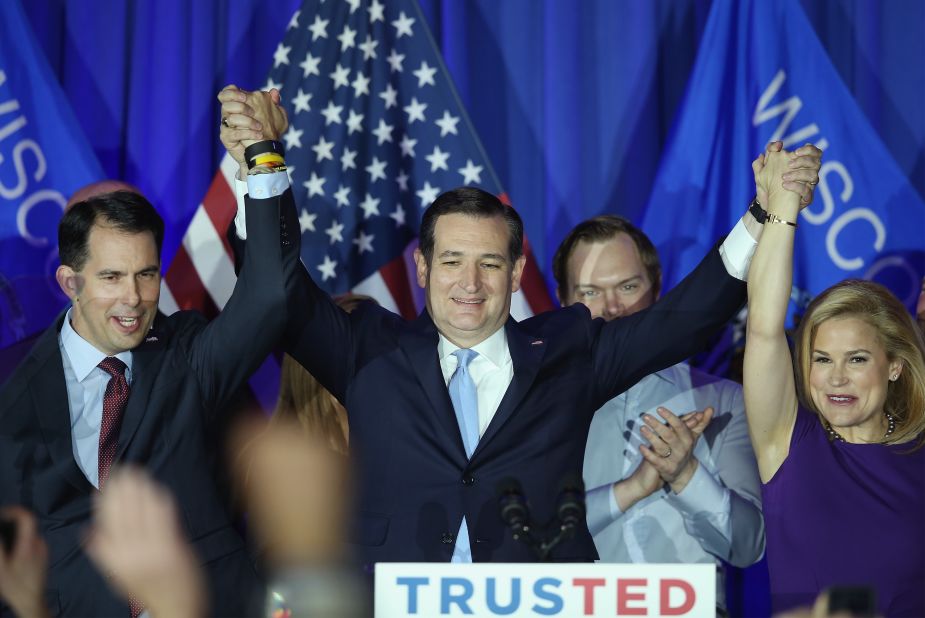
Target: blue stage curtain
[573,101]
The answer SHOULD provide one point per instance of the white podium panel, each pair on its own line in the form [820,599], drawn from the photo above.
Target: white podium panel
[566,590]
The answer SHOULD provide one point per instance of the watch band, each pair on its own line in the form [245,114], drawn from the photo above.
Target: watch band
[760,214]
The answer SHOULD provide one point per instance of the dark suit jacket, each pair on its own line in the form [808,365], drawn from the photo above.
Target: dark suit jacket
[183,374]
[415,483]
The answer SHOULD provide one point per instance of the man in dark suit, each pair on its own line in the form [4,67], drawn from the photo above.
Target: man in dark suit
[444,408]
[110,383]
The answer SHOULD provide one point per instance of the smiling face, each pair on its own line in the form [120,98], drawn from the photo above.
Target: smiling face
[470,279]
[115,293]
[849,376]
[608,277]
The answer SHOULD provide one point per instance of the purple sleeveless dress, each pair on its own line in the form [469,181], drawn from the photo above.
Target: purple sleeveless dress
[846,514]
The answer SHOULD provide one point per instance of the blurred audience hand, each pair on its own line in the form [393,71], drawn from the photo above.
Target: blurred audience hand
[23,570]
[294,489]
[137,541]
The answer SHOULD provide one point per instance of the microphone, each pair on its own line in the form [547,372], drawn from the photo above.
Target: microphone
[570,504]
[514,510]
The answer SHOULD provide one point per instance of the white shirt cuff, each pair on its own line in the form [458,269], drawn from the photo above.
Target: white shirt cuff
[259,186]
[702,494]
[602,508]
[737,251]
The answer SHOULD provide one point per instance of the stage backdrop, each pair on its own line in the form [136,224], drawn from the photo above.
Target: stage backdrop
[653,110]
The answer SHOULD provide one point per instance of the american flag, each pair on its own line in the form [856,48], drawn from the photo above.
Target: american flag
[376,132]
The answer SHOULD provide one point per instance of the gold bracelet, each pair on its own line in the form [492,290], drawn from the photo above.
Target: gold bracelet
[772,218]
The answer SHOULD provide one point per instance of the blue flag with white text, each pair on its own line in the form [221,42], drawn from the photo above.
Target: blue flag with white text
[44,157]
[761,75]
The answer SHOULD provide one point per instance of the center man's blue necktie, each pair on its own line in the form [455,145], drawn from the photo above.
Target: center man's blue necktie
[466,404]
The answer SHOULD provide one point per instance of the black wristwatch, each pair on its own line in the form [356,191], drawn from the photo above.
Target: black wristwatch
[760,214]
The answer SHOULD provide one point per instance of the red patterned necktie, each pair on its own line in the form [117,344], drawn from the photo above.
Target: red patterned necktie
[114,400]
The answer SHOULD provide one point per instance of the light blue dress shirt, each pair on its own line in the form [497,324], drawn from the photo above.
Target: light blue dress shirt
[86,386]
[716,516]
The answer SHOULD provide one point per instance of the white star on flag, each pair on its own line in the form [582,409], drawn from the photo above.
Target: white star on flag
[307,221]
[300,102]
[348,159]
[319,28]
[331,113]
[341,76]
[438,159]
[403,25]
[398,215]
[376,170]
[471,173]
[310,65]
[347,39]
[360,85]
[383,132]
[407,146]
[427,194]
[376,12]
[335,232]
[402,180]
[364,242]
[425,75]
[294,20]
[390,96]
[368,47]
[370,206]
[415,110]
[395,59]
[293,137]
[281,55]
[327,268]
[314,185]
[354,122]
[323,150]
[341,196]
[447,124]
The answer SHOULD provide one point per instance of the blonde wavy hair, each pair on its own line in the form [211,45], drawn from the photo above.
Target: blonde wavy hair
[897,333]
[303,400]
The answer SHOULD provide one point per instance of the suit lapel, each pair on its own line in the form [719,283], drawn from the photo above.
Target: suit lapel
[419,343]
[49,396]
[527,356]
[146,360]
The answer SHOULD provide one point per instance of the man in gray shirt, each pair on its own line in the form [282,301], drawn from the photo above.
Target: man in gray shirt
[685,491]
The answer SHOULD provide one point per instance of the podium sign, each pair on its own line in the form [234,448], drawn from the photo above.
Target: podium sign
[567,590]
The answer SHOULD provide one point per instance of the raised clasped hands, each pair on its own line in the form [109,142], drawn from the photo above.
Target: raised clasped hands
[249,117]
[796,171]
[671,445]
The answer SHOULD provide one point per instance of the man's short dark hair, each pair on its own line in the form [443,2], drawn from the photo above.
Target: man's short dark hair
[125,211]
[600,229]
[473,203]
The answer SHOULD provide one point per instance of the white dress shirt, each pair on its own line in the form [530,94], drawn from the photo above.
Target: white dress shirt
[86,386]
